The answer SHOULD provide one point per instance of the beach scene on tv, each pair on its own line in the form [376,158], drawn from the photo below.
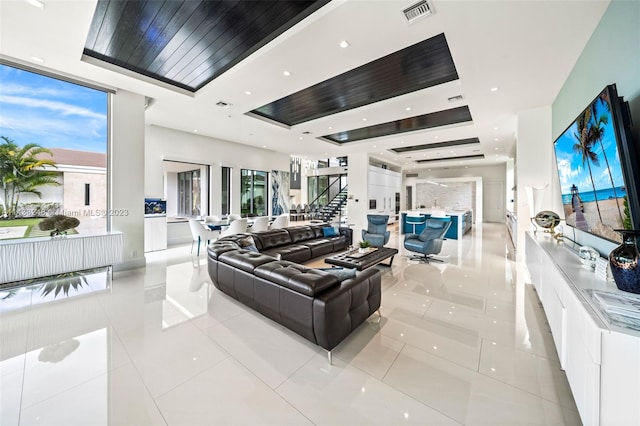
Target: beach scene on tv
[594,195]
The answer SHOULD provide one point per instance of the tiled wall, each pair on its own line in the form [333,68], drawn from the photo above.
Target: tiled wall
[453,195]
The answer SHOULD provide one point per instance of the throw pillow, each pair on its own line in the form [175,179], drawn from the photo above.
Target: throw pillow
[329,232]
[247,243]
[341,273]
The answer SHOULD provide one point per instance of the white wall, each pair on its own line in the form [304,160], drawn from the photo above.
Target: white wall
[168,144]
[126,180]
[357,204]
[536,165]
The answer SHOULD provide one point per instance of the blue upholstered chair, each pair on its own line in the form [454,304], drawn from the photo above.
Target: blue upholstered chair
[429,241]
[376,233]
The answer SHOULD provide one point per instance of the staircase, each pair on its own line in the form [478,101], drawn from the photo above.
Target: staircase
[334,208]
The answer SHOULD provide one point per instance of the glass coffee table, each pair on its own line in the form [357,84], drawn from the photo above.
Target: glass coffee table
[360,261]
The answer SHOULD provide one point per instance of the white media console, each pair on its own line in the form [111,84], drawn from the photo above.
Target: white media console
[601,360]
[27,258]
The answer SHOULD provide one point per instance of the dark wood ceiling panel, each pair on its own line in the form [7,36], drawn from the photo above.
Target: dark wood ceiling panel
[462,157]
[436,145]
[424,64]
[188,43]
[410,124]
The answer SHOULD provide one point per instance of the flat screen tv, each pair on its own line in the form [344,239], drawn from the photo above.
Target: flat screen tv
[598,168]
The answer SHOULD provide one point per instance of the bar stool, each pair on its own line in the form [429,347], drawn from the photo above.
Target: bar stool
[415,221]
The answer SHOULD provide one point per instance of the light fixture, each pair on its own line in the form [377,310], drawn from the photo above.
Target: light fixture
[330,128]
[436,137]
[496,148]
[37,59]
[246,92]
[264,146]
[286,73]
[195,130]
[344,44]
[494,89]
[374,146]
[495,128]
[364,119]
[37,3]
[408,109]
[300,138]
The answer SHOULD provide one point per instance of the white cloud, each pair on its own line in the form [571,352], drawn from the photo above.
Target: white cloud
[18,89]
[64,109]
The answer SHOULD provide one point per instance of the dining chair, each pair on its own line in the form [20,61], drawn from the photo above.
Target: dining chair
[234,216]
[281,221]
[260,224]
[238,226]
[199,233]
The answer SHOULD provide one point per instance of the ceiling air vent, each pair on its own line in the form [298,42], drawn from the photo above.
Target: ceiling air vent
[417,11]
[411,175]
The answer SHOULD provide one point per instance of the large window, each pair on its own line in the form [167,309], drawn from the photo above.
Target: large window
[225,207]
[189,190]
[53,153]
[254,193]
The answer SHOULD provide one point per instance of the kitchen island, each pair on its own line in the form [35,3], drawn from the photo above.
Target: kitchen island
[461,222]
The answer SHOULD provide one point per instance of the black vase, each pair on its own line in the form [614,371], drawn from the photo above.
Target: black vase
[624,262]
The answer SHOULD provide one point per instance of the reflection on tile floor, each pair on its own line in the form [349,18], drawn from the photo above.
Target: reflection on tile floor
[459,343]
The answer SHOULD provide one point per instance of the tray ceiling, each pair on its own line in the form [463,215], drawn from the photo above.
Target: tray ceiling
[188,43]
[419,66]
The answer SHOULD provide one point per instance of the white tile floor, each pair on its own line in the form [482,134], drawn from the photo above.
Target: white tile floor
[459,343]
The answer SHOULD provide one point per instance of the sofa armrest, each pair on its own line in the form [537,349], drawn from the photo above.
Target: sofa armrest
[347,232]
[340,309]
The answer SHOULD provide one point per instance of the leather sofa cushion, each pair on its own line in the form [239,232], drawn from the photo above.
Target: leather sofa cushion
[301,233]
[244,260]
[215,250]
[319,247]
[296,277]
[293,253]
[318,230]
[272,238]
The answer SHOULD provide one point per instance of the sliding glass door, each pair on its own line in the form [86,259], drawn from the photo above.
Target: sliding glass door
[254,193]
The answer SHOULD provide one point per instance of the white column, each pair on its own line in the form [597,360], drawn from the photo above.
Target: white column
[127,175]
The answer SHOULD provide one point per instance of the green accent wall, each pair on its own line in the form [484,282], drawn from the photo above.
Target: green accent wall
[612,55]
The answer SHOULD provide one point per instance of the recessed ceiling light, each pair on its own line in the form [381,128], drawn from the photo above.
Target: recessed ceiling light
[37,59]
[195,130]
[496,148]
[401,141]
[364,119]
[436,137]
[37,3]
[494,89]
[451,152]
[495,128]
[300,138]
[264,146]
[408,109]
[330,128]
[374,146]
[495,139]
[286,73]
[247,92]
[466,167]
[344,44]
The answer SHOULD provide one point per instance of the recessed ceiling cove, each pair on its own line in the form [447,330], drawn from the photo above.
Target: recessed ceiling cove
[410,124]
[422,65]
[188,43]
[436,145]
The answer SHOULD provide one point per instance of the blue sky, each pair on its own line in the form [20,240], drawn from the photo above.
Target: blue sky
[50,112]
[571,170]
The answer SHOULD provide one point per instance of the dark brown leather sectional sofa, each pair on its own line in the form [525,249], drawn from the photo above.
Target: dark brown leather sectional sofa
[313,303]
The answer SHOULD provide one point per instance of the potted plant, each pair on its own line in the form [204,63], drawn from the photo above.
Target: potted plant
[363,246]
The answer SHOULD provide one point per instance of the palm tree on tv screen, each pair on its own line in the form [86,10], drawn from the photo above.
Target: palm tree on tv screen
[596,134]
[584,147]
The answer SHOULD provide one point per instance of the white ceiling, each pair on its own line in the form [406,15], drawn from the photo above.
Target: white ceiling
[524,48]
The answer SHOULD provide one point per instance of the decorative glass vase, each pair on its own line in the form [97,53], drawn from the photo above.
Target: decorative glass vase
[624,262]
